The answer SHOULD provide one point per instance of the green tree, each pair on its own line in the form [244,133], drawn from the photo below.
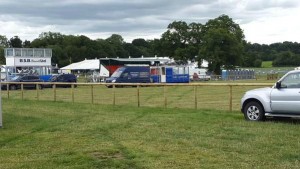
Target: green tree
[140,42]
[3,44]
[15,42]
[133,50]
[175,38]
[58,56]
[155,48]
[222,44]
[52,38]
[26,44]
[117,43]
[287,58]
[105,49]
[257,63]
[3,41]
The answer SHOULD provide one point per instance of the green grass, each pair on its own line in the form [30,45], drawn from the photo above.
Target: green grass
[266,64]
[43,134]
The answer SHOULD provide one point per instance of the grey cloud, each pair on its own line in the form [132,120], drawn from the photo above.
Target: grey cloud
[99,15]
[133,16]
[78,11]
[257,5]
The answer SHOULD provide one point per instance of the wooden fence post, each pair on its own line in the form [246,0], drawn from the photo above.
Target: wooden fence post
[37,92]
[138,95]
[230,97]
[22,91]
[92,93]
[165,96]
[72,93]
[7,88]
[54,92]
[195,92]
[114,95]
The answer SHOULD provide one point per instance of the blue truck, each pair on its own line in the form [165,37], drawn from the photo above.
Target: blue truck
[147,74]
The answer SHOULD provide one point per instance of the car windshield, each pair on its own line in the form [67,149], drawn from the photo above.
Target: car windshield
[16,77]
[53,78]
[118,72]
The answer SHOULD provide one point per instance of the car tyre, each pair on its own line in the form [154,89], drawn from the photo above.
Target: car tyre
[253,111]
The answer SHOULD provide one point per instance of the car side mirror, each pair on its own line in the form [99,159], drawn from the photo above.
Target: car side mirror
[278,85]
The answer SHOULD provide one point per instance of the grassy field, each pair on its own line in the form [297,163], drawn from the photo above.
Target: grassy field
[266,64]
[40,134]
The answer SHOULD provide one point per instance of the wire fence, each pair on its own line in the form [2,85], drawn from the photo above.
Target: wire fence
[220,96]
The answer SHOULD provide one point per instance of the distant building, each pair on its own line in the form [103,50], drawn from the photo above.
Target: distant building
[28,60]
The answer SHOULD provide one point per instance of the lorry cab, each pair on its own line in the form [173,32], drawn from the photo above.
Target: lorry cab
[130,74]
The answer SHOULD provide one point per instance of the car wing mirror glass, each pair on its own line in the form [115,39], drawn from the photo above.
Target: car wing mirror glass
[278,85]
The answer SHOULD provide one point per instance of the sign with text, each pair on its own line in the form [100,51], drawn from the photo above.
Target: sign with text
[32,62]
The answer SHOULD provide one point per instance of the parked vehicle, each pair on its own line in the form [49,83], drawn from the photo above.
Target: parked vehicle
[197,74]
[281,100]
[23,78]
[130,74]
[169,74]
[147,74]
[62,78]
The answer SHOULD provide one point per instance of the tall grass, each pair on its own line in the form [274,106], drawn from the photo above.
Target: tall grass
[47,134]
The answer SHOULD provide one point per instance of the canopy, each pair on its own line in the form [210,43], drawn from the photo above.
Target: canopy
[93,64]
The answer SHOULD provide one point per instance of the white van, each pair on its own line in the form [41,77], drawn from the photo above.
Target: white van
[198,74]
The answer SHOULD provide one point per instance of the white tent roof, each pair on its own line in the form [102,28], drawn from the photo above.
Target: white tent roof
[92,64]
[83,65]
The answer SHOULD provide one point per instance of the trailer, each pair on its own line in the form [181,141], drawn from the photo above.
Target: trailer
[169,74]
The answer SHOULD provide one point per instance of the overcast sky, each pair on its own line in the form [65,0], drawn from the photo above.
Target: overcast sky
[263,21]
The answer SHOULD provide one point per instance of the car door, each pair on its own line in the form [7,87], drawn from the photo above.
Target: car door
[60,79]
[33,79]
[25,79]
[286,99]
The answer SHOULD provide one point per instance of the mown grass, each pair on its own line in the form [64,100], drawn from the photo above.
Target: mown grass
[266,64]
[43,134]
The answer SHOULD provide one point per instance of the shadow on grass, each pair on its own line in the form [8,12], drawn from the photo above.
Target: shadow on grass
[286,120]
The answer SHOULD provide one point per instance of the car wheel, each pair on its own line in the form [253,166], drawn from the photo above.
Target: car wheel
[253,111]
[13,87]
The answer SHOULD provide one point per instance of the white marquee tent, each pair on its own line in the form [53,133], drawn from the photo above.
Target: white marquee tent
[93,64]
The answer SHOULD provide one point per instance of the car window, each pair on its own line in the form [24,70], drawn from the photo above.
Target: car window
[34,78]
[30,77]
[53,78]
[291,81]
[24,78]
[125,75]
[60,78]
[16,77]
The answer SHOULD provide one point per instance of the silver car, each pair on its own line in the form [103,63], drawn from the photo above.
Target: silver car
[281,100]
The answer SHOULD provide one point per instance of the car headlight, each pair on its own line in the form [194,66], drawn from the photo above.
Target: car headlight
[113,81]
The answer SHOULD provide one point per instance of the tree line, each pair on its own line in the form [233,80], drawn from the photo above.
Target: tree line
[219,41]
